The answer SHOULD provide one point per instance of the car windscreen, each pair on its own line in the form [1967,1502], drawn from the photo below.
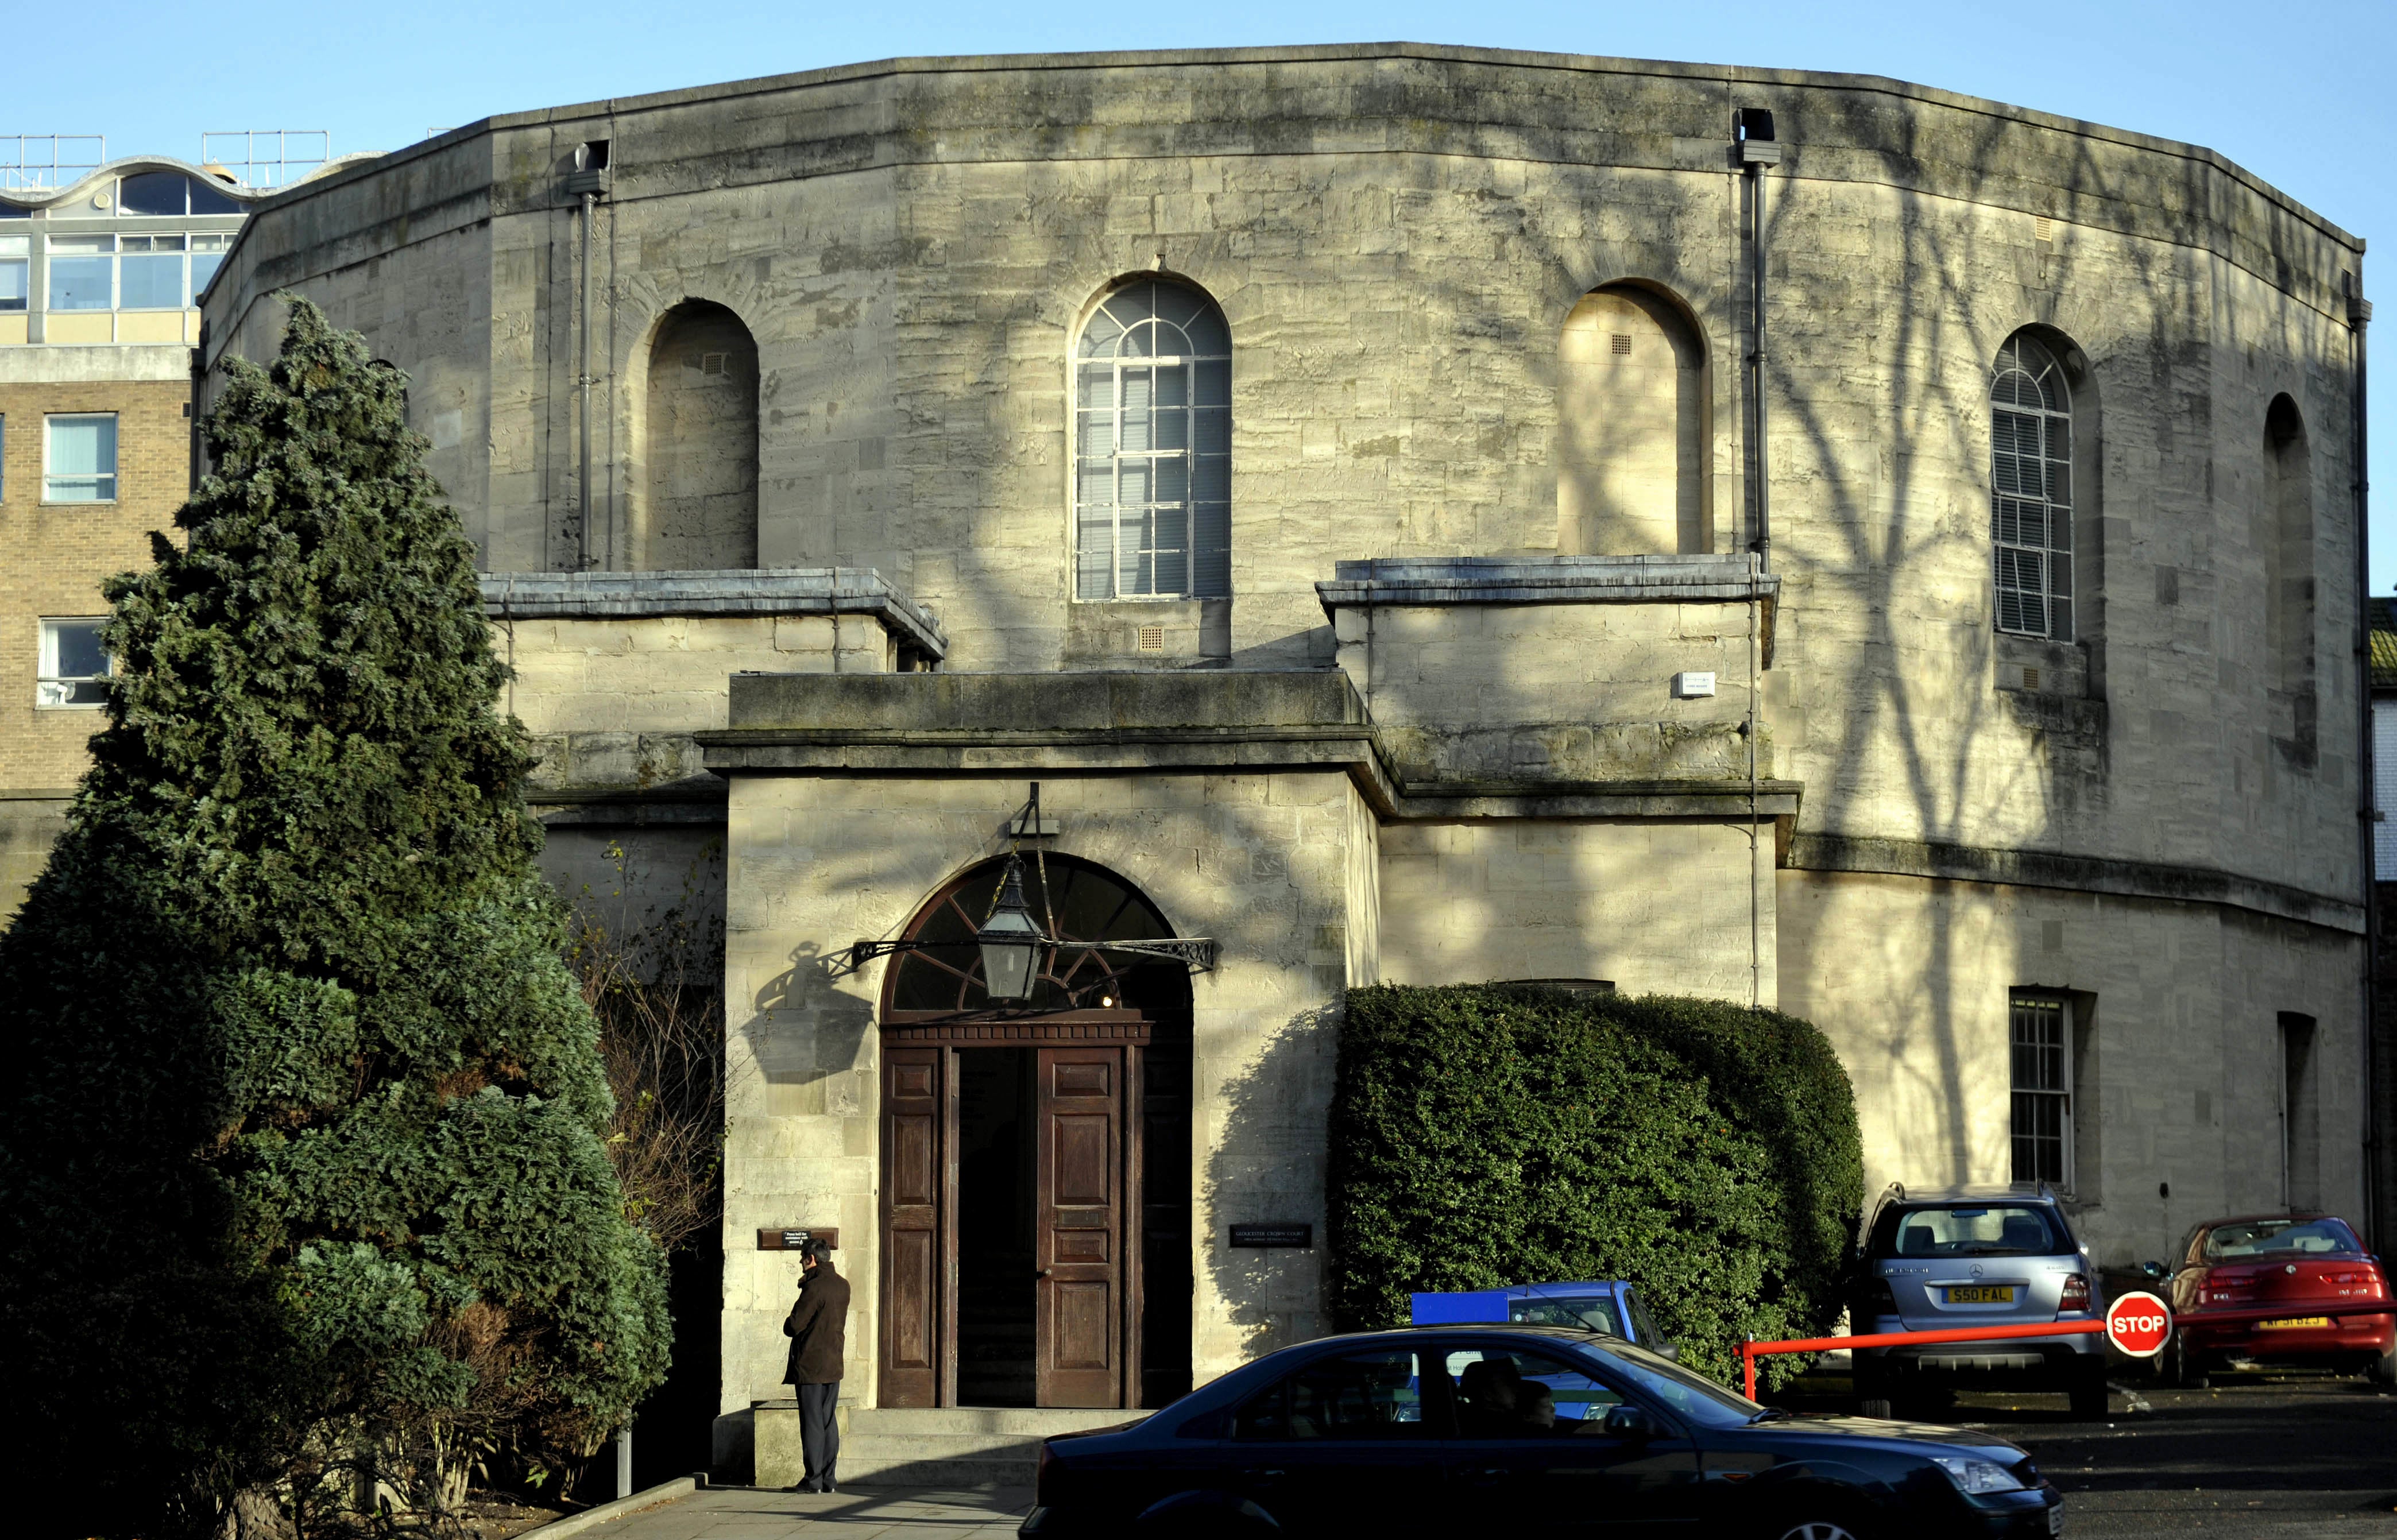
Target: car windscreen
[1691,1395]
[1588,1312]
[1969,1229]
[2279,1237]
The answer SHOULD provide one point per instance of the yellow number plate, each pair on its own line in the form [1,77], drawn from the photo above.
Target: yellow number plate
[1986,1293]
[2294,1323]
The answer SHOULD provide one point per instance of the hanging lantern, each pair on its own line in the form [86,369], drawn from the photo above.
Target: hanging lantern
[1011,941]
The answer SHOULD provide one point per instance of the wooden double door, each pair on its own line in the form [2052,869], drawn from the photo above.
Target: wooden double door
[1011,1209]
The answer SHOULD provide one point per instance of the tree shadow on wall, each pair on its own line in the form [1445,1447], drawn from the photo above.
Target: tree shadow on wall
[1266,1163]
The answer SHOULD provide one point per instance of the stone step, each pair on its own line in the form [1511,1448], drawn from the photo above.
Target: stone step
[973,1446]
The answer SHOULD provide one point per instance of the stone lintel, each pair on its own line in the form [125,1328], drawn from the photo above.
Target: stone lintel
[698,799]
[2150,880]
[643,596]
[1423,581]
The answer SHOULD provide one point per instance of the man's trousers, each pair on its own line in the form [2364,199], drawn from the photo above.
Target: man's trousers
[819,1434]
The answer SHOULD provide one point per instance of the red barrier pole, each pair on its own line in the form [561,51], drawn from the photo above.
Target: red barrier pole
[1751,1352]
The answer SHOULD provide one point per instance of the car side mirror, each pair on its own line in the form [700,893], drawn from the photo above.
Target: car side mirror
[1630,1422]
[2154,1270]
[1669,1351]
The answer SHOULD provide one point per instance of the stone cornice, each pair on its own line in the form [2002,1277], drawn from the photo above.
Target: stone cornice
[2086,874]
[639,596]
[1424,581]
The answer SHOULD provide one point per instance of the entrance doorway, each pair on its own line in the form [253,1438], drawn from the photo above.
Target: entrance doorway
[1037,1161]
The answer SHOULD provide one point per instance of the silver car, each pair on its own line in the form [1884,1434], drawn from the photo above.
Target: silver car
[1973,1256]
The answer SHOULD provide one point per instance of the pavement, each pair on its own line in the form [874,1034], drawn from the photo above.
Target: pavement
[865,1513]
[2278,1455]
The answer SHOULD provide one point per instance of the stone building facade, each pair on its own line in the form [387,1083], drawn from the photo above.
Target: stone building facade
[1345,480]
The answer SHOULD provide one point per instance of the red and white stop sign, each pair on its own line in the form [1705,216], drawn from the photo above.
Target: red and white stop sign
[2139,1324]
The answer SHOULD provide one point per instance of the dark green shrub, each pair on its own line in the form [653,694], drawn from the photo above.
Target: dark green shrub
[1485,1136]
[301,1153]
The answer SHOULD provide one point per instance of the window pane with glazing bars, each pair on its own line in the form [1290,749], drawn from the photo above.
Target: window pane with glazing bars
[73,664]
[15,268]
[79,462]
[2030,486]
[2041,1049]
[83,272]
[150,273]
[1152,426]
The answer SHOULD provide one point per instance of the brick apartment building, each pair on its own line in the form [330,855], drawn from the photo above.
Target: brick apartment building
[100,284]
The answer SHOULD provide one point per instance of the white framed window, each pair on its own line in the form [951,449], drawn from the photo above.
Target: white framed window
[150,273]
[16,271]
[74,664]
[2030,490]
[2041,1030]
[83,273]
[79,458]
[1153,446]
[208,255]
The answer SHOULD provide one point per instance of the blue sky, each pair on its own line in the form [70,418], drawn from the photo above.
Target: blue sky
[2303,94]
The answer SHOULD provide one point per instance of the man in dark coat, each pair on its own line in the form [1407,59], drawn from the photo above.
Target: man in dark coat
[818,1328]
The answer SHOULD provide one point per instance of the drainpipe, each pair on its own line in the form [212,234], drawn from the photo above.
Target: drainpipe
[1758,149]
[1752,127]
[588,181]
[2359,315]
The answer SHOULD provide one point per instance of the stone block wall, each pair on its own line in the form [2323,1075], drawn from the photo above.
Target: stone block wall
[1649,907]
[612,703]
[913,248]
[1266,863]
[2179,1066]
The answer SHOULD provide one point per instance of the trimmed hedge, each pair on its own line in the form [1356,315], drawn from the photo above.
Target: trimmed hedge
[1494,1134]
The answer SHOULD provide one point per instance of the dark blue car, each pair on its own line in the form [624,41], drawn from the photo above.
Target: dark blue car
[1431,1426]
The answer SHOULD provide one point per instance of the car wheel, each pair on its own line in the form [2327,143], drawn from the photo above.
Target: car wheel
[1876,1406]
[2383,1369]
[2185,1370]
[1819,1527]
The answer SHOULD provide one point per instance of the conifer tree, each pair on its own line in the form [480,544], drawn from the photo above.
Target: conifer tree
[303,1132]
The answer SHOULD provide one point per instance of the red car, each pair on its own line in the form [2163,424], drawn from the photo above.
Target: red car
[2297,1259]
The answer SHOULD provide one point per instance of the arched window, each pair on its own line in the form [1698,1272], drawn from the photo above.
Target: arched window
[1632,420]
[698,509]
[2030,484]
[1153,446]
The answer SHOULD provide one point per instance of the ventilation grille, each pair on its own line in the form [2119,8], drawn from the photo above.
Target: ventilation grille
[713,365]
[1622,343]
[2043,228]
[1152,638]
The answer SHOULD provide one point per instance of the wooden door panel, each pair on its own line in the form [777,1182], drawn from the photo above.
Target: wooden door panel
[1083,1324]
[1082,1172]
[915,1271]
[1079,1221]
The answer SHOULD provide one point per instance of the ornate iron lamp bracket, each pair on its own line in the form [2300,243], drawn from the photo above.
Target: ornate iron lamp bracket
[1197,953]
